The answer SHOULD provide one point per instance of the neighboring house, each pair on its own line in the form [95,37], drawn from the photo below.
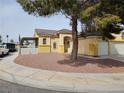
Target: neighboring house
[55,41]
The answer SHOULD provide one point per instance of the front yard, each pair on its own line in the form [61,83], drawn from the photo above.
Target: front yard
[61,62]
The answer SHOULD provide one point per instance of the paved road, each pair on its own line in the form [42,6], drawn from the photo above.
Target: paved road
[7,87]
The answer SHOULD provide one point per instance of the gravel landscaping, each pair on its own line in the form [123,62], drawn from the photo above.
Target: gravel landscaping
[61,62]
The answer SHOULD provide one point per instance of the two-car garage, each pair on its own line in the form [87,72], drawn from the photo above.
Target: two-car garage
[96,47]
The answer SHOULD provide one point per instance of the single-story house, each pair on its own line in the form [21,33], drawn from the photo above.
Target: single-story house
[60,41]
[57,41]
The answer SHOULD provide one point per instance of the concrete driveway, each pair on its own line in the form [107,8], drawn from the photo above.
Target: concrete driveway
[118,57]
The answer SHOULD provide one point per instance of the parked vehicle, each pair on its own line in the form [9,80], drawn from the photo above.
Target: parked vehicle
[11,46]
[3,50]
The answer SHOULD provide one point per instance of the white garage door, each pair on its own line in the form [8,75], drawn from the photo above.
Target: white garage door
[117,48]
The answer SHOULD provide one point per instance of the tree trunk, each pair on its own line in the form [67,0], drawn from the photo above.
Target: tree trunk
[74,38]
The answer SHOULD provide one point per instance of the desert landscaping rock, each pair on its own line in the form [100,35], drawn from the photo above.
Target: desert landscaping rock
[61,62]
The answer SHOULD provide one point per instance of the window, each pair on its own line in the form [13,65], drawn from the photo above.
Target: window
[44,40]
[54,45]
[122,35]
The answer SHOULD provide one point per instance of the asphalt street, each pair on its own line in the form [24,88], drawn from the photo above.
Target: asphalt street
[7,87]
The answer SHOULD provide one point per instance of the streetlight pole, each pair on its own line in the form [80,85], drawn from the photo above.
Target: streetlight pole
[7,36]
[19,45]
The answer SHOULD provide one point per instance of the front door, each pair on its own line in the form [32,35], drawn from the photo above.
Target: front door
[66,44]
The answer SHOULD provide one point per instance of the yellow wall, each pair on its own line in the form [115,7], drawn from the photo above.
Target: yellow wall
[61,42]
[61,38]
[93,50]
[88,46]
[44,49]
[48,47]
[61,49]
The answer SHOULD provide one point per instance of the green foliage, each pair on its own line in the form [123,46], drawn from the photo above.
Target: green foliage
[103,21]
[38,7]
[103,13]
[115,7]
[111,28]
[50,7]
[86,14]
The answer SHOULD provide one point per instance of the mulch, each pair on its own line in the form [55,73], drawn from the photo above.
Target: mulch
[62,62]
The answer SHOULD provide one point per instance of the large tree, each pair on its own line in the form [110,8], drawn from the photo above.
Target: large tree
[102,16]
[115,7]
[70,8]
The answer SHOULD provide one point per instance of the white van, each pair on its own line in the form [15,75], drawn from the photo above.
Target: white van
[3,50]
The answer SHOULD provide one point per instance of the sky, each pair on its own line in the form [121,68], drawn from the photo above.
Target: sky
[14,21]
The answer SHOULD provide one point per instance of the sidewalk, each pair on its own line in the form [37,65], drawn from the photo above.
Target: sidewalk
[60,81]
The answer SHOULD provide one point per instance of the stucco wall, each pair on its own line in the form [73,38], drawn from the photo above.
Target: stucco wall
[61,43]
[47,40]
[88,46]
[44,48]
[61,38]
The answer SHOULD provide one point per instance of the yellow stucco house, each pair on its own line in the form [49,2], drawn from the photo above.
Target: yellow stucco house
[54,41]
[60,41]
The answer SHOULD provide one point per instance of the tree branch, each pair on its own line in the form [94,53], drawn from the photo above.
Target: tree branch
[65,15]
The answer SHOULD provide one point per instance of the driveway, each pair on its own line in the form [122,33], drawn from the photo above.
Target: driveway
[118,57]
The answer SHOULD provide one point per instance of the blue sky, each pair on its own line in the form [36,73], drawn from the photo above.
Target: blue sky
[14,21]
